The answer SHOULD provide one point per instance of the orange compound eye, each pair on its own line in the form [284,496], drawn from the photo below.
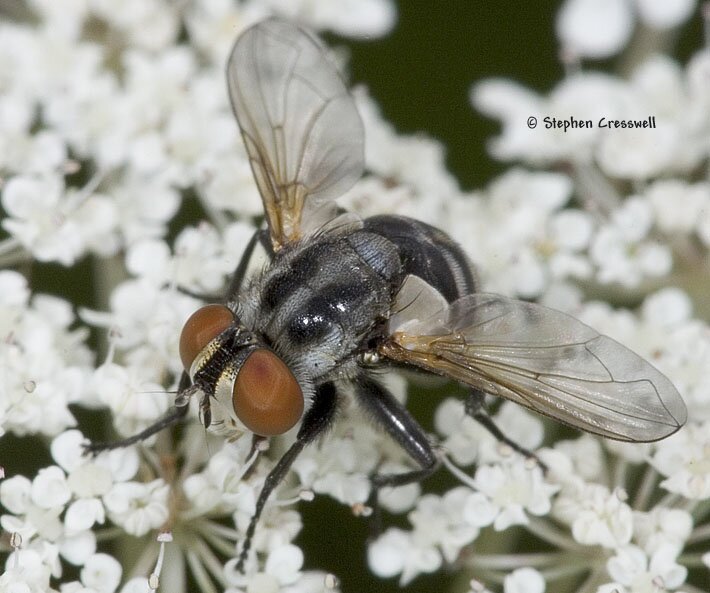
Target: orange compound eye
[201,328]
[267,398]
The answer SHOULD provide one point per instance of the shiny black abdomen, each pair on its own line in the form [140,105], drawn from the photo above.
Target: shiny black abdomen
[427,252]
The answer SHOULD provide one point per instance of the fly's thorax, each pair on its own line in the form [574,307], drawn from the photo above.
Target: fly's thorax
[317,300]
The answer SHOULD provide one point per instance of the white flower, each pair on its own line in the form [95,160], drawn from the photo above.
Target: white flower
[213,25]
[399,552]
[200,136]
[137,507]
[146,320]
[622,251]
[221,485]
[144,207]
[54,223]
[199,263]
[44,364]
[667,308]
[25,572]
[135,400]
[571,229]
[584,96]
[150,259]
[414,161]
[447,523]
[633,153]
[478,510]
[597,516]
[66,19]
[15,494]
[200,260]
[602,29]
[342,465]
[631,452]
[524,580]
[78,547]
[14,293]
[468,441]
[684,459]
[679,141]
[586,454]
[102,573]
[277,527]
[658,86]
[520,205]
[43,152]
[88,114]
[152,24]
[662,526]
[401,498]
[229,185]
[595,29]
[38,220]
[285,564]
[462,432]
[136,585]
[512,103]
[515,489]
[83,514]
[634,572]
[353,17]
[664,15]
[49,488]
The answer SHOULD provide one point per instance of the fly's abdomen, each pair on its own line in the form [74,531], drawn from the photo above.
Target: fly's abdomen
[427,252]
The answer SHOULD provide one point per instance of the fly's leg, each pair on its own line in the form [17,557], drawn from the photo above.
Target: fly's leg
[173,417]
[389,413]
[316,421]
[474,408]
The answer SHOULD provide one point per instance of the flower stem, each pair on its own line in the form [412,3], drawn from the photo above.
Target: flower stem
[218,542]
[699,534]
[204,582]
[210,561]
[546,531]
[513,561]
[645,489]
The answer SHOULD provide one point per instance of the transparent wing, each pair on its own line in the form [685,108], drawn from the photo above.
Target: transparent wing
[547,361]
[300,125]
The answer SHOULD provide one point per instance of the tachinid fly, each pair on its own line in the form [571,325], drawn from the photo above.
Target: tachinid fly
[344,297]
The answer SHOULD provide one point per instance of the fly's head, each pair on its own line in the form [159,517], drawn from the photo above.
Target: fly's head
[227,363]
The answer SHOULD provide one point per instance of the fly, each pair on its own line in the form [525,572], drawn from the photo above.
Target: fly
[344,297]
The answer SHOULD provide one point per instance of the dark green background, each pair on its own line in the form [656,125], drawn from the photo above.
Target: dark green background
[421,74]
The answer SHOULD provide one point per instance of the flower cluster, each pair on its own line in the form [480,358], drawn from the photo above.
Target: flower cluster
[114,118]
